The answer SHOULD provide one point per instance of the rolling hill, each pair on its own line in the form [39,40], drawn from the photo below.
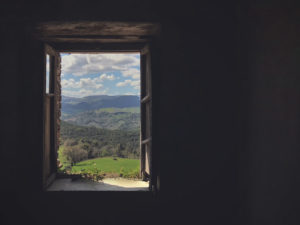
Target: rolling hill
[71,105]
[103,111]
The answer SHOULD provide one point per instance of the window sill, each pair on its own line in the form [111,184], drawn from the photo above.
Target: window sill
[119,184]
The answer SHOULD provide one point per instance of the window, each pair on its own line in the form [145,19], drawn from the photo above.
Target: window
[52,110]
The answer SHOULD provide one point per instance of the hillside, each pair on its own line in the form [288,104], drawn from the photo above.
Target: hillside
[107,118]
[100,142]
[103,111]
[91,129]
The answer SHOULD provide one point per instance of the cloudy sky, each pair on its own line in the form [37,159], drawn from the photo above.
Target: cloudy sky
[97,74]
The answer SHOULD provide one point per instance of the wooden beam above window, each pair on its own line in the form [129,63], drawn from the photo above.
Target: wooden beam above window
[101,32]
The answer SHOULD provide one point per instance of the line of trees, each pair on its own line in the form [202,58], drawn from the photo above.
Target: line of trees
[80,143]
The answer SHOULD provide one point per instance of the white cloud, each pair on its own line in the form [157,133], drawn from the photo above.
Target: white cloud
[83,92]
[124,83]
[86,83]
[134,83]
[107,77]
[132,72]
[68,83]
[83,64]
[109,67]
[131,93]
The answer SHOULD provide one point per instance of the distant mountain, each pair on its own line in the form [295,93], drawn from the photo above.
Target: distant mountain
[72,105]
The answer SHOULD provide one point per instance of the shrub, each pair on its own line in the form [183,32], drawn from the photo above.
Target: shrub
[92,174]
[133,174]
[74,154]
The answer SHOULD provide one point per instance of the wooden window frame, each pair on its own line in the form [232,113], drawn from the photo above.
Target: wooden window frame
[146,146]
[51,114]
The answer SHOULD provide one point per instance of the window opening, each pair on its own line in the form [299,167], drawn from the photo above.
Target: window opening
[104,121]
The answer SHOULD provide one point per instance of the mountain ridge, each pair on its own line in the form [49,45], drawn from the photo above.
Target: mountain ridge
[73,105]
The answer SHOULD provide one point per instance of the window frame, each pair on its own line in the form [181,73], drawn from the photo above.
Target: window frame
[145,50]
[50,115]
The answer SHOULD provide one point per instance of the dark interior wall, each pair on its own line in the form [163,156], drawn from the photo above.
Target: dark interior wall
[9,101]
[269,159]
[226,110]
[198,113]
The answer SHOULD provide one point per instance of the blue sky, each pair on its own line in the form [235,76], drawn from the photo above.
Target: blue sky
[100,74]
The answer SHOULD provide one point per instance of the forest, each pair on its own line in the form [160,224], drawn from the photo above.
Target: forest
[79,143]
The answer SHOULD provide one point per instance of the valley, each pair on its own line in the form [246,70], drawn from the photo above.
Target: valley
[96,128]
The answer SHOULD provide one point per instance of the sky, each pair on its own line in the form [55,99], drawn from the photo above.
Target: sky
[100,74]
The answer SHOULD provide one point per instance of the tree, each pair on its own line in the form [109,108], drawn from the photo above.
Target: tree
[70,142]
[93,140]
[74,154]
[104,153]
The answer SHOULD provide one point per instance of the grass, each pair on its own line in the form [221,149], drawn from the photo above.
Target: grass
[99,168]
[108,164]
[109,167]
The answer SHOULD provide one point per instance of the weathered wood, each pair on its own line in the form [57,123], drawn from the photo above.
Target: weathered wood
[146,115]
[148,119]
[95,47]
[49,50]
[50,180]
[146,99]
[148,166]
[145,50]
[146,141]
[142,160]
[102,40]
[96,32]
[86,37]
[51,115]
[98,28]
[47,144]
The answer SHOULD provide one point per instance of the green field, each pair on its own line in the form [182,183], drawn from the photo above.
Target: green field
[108,165]
[104,167]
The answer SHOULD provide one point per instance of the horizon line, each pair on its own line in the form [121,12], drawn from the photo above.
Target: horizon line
[99,95]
